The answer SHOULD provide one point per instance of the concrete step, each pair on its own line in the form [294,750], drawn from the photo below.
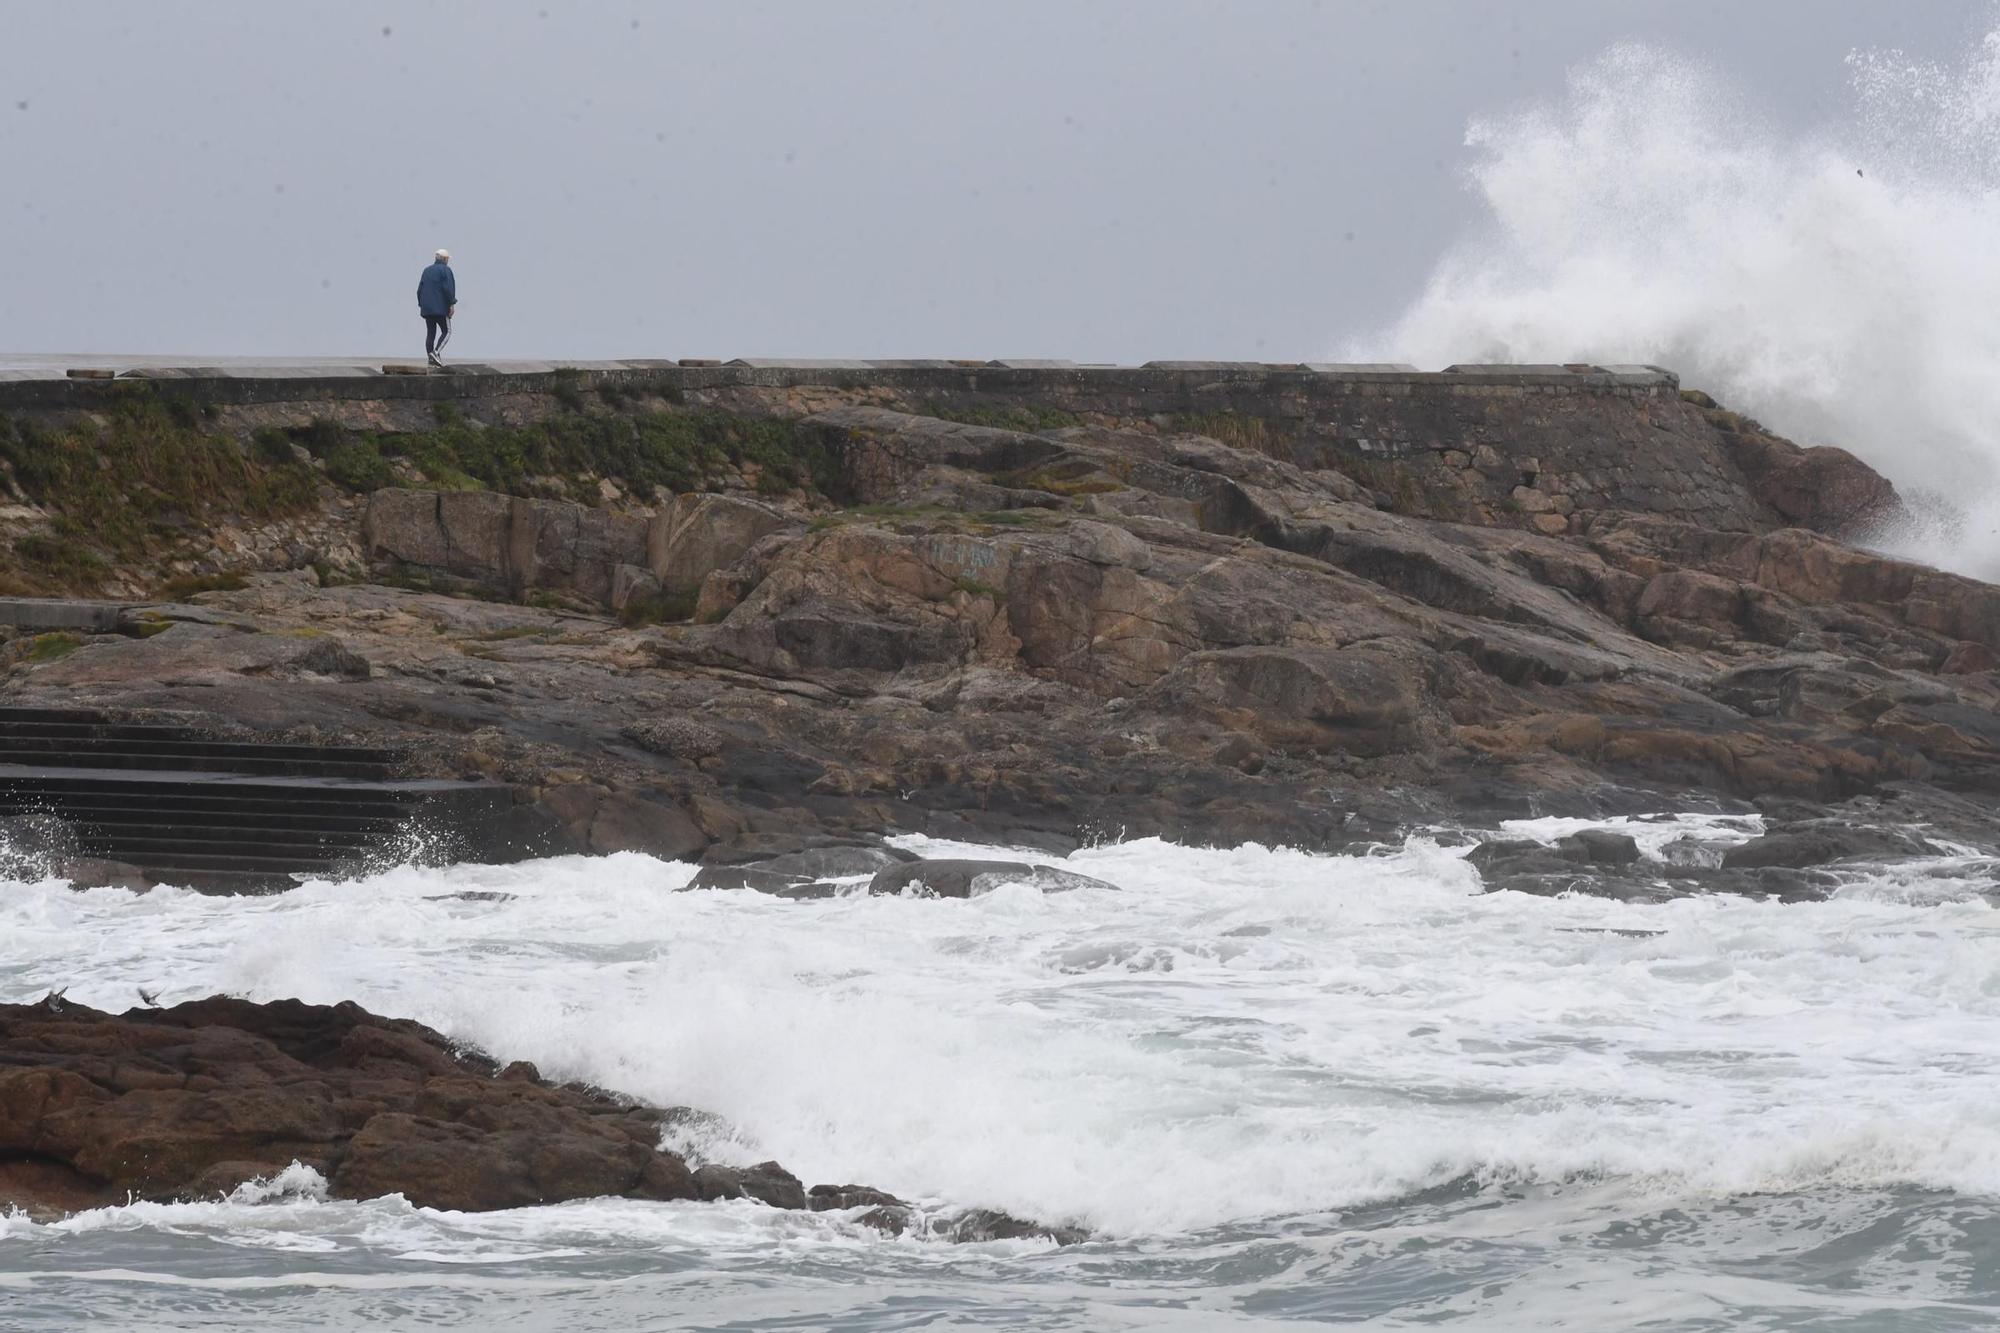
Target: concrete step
[232,883]
[130,755]
[11,713]
[166,864]
[215,835]
[222,816]
[222,788]
[149,736]
[138,845]
[249,824]
[332,821]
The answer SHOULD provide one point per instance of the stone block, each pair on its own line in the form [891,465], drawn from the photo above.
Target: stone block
[457,532]
[1525,370]
[778,363]
[47,613]
[1657,375]
[268,372]
[524,367]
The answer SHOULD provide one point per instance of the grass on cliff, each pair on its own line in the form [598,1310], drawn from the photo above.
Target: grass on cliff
[638,450]
[1238,432]
[1025,417]
[143,478]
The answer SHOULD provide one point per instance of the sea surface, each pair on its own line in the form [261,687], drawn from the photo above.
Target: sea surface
[1277,1087]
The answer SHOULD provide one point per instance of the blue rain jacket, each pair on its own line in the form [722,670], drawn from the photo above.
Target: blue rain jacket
[437,291]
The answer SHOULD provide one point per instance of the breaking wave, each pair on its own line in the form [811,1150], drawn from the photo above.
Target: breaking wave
[1839,282]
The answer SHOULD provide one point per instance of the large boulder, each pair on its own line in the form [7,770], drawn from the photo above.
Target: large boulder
[700,534]
[955,878]
[201,1097]
[503,543]
[1823,842]
[1826,489]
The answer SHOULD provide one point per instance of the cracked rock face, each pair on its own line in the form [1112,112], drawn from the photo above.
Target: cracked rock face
[1104,630]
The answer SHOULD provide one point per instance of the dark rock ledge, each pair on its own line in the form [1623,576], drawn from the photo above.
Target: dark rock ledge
[194,1100]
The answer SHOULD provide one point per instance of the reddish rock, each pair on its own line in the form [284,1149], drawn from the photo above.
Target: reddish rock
[1826,489]
[1967,659]
[196,1099]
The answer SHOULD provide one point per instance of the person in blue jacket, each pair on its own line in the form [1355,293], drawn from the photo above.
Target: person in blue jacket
[437,297]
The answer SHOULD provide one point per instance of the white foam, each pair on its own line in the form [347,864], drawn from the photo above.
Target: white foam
[1238,1034]
[1838,283]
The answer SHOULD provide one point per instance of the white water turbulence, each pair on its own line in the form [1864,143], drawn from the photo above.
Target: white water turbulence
[1839,283]
[1277,1087]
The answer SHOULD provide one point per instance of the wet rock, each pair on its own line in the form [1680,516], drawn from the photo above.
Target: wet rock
[1599,847]
[1501,857]
[767,1182]
[603,821]
[811,873]
[1823,844]
[752,877]
[838,861]
[946,878]
[985,1224]
[184,1101]
[826,1198]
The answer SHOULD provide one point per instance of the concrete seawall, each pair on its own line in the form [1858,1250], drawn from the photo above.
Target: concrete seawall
[1195,383]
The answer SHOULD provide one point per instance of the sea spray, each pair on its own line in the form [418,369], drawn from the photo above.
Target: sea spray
[1839,283]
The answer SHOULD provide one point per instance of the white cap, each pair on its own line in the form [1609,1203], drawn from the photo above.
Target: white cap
[443,253]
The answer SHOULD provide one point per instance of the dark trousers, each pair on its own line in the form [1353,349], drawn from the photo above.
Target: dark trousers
[437,328]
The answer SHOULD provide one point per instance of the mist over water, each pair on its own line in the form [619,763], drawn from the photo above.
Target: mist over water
[1839,283]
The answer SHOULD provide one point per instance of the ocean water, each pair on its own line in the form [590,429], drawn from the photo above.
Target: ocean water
[1277,1087]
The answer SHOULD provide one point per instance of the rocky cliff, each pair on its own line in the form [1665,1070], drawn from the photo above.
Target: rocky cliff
[728,613]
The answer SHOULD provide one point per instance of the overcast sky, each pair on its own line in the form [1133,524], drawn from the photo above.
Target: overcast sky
[1107,181]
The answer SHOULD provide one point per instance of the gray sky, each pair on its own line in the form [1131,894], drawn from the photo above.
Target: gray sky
[1108,181]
